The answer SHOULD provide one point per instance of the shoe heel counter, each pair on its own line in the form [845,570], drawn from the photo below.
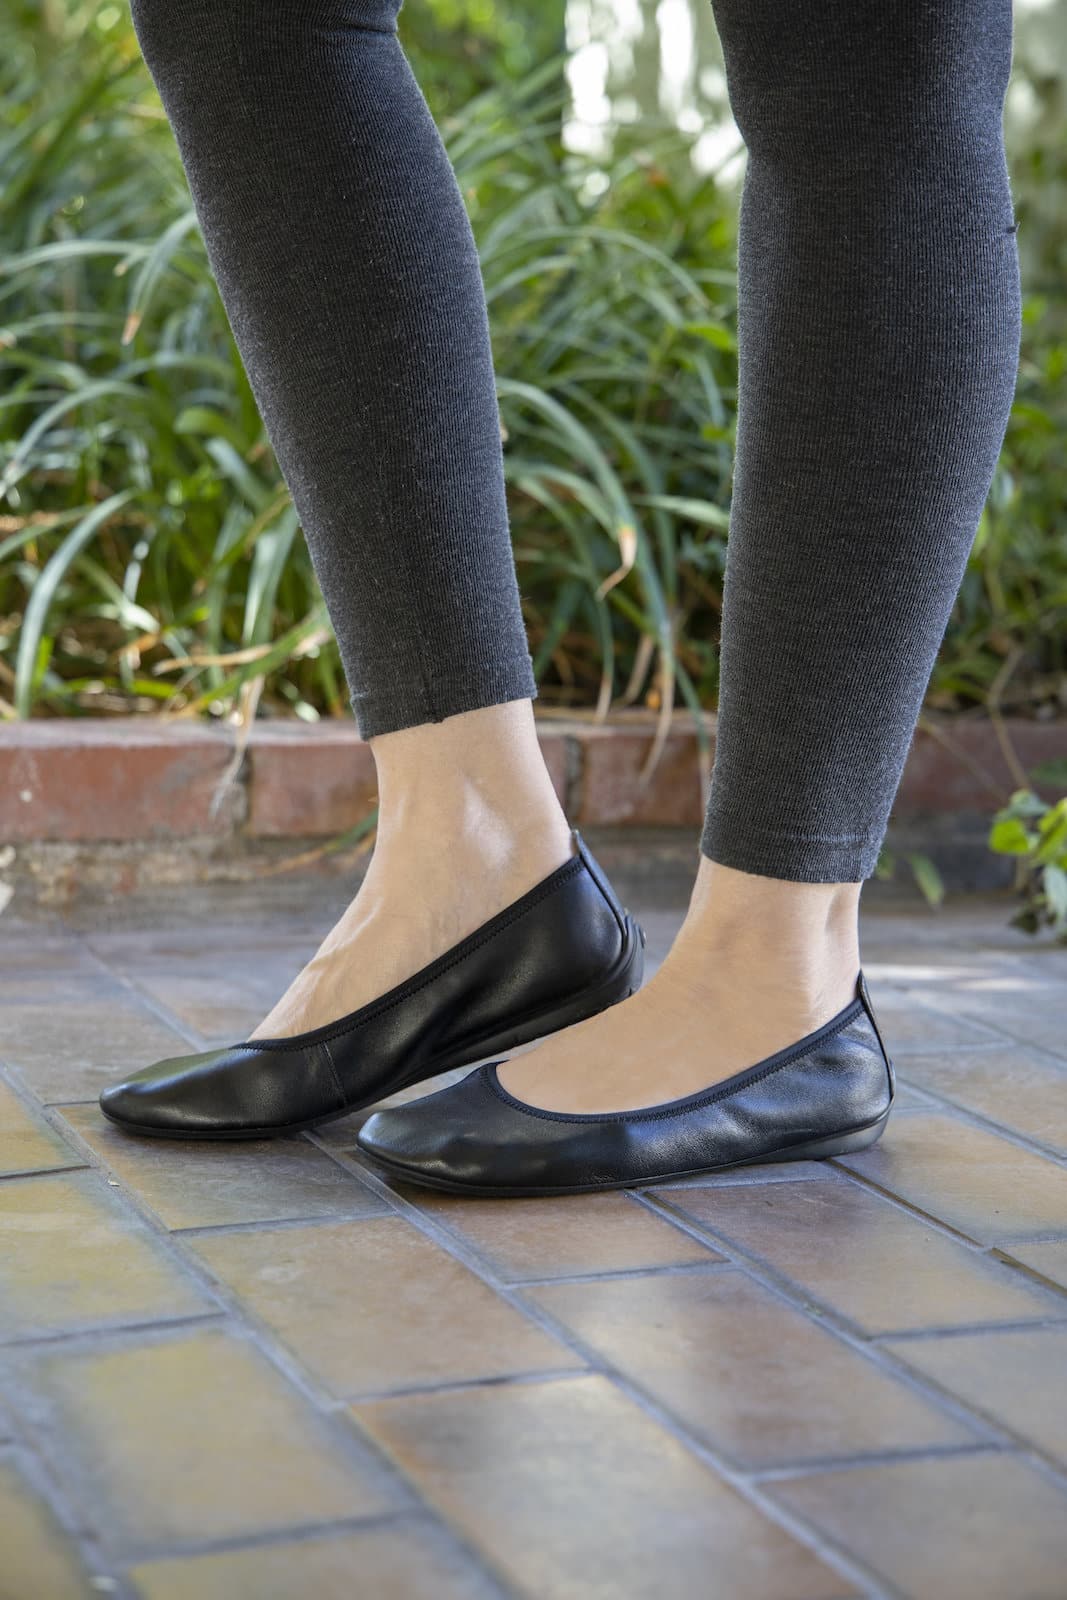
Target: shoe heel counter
[603,884]
[604,936]
[868,1006]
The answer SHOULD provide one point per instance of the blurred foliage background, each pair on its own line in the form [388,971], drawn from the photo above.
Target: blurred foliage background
[149,556]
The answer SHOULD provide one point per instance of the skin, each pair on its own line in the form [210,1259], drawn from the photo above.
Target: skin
[468,821]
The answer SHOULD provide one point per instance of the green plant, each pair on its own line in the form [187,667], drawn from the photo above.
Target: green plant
[151,557]
[1035,833]
[612,295]
[927,878]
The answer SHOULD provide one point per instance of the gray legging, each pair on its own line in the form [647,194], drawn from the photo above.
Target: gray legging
[879,320]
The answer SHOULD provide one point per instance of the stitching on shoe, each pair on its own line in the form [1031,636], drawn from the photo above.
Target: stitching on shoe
[434,969]
[324,1045]
[722,1091]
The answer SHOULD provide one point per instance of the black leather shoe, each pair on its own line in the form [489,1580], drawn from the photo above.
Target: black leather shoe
[828,1093]
[563,951]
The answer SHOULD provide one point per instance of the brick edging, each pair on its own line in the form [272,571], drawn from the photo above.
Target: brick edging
[141,778]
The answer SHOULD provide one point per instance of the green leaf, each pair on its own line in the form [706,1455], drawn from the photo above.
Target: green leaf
[1055,886]
[928,878]
[720,337]
[44,592]
[1011,838]
[1052,835]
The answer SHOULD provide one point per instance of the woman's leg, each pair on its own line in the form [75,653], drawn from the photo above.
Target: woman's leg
[879,322]
[339,239]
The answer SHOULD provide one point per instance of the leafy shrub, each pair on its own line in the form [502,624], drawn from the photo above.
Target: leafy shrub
[1036,835]
[150,557]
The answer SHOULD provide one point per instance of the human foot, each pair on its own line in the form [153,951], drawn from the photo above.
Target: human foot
[757,965]
[754,1041]
[566,948]
[468,821]
[828,1093]
[418,898]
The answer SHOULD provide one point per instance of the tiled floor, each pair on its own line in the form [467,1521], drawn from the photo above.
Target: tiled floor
[259,1370]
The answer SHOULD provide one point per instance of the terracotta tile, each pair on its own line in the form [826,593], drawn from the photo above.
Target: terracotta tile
[906,1098]
[769,1172]
[886,1271]
[375,1305]
[557,1238]
[72,1051]
[571,1490]
[1016,1087]
[1049,1259]
[266,945]
[197,1185]
[1024,999]
[198,1438]
[221,1006]
[1037,1026]
[74,1257]
[967,1528]
[47,980]
[1016,1379]
[980,1184]
[47,977]
[28,1143]
[758,1381]
[39,1560]
[406,1560]
[30,949]
[909,1023]
[978,982]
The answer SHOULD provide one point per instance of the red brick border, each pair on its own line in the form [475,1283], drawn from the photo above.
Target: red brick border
[150,779]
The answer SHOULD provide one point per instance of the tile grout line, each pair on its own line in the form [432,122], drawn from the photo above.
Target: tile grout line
[39,1476]
[1001,1036]
[483,1269]
[909,1208]
[982,1123]
[147,1003]
[596,1365]
[829,1318]
[995,1433]
[267,1538]
[85,1339]
[233,1316]
[816,1466]
[743,1481]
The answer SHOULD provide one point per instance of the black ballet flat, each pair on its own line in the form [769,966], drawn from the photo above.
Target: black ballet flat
[564,950]
[828,1094]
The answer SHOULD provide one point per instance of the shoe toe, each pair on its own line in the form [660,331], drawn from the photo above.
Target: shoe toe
[166,1097]
[136,1101]
[445,1136]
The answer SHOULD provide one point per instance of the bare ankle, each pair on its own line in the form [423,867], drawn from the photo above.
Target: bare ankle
[797,943]
[477,782]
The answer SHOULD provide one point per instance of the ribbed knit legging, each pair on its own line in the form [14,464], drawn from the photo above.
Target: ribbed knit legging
[879,323]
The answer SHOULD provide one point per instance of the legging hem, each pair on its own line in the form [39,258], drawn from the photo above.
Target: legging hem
[798,858]
[471,689]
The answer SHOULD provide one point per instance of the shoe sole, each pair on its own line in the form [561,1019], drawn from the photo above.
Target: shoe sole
[838,1144]
[624,978]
